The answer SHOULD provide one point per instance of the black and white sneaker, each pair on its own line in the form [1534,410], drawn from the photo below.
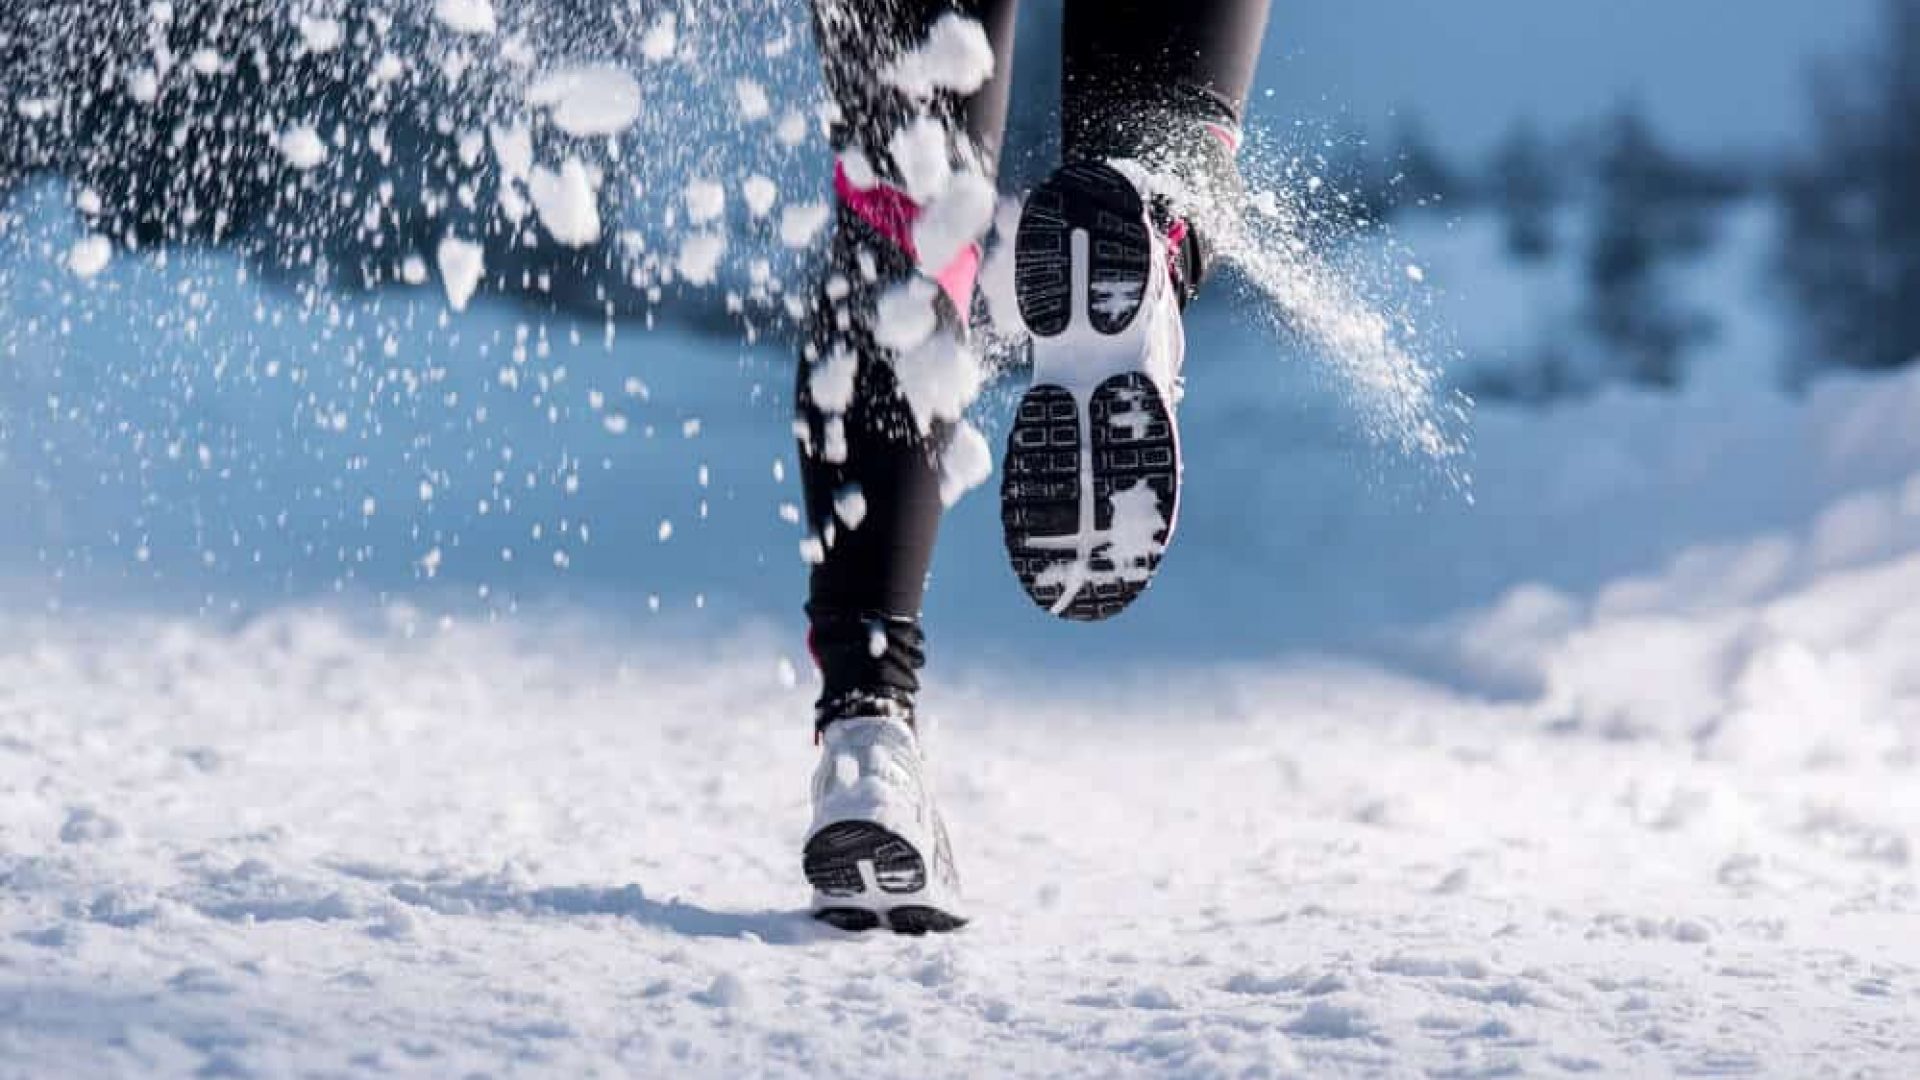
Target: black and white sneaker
[1091,483]
[877,854]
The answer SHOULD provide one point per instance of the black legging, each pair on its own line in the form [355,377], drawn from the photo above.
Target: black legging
[1129,68]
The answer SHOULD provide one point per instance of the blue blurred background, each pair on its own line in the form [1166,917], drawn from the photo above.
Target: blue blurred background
[1637,234]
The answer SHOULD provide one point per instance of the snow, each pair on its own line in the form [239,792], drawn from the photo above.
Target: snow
[831,380]
[965,463]
[850,506]
[420,867]
[706,200]
[940,378]
[566,203]
[513,150]
[956,57]
[143,85]
[904,314]
[321,34]
[751,98]
[800,223]
[660,40]
[700,254]
[89,255]
[1612,771]
[462,264]
[588,100]
[760,193]
[920,153]
[302,147]
[954,221]
[473,17]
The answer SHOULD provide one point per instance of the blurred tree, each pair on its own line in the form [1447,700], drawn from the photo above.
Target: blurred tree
[1526,186]
[1651,208]
[1851,251]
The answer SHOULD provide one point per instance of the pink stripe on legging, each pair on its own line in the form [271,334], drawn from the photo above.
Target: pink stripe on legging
[892,213]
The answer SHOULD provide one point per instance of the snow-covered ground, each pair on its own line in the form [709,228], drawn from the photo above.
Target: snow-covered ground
[307,846]
[1612,771]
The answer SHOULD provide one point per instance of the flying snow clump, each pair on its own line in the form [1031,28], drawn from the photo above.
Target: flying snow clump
[588,100]
[957,219]
[89,256]
[566,203]
[462,262]
[302,147]
[466,16]
[956,56]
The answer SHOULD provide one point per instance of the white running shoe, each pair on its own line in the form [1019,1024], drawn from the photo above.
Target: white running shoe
[1091,483]
[877,853]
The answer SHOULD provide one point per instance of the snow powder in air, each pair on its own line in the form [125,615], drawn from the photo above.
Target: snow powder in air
[143,85]
[997,273]
[858,169]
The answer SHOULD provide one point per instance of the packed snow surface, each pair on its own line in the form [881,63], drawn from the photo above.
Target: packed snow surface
[309,843]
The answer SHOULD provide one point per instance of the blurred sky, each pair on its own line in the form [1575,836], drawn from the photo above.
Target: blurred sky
[1716,74]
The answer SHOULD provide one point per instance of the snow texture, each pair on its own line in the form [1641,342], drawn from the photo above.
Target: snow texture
[420,869]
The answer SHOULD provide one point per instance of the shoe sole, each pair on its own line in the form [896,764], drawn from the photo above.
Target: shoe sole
[840,861]
[1093,443]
